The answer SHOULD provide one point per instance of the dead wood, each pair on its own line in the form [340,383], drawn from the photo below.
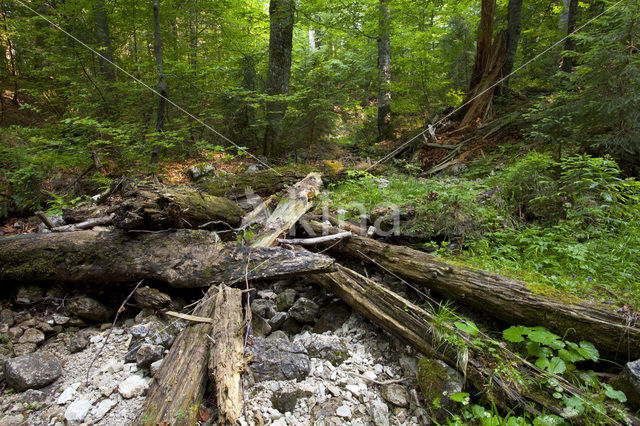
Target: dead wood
[503,377]
[87,224]
[510,300]
[185,258]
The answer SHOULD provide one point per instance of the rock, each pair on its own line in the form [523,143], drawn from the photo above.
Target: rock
[379,412]
[31,335]
[77,342]
[89,308]
[333,317]
[278,360]
[267,294]
[286,299]
[277,320]
[151,298]
[12,420]
[629,382]
[77,411]
[436,381]
[278,334]
[343,411]
[395,394]
[32,371]
[198,171]
[291,326]
[105,326]
[33,395]
[28,294]
[103,408]
[14,333]
[154,332]
[286,401]
[24,348]
[331,348]
[60,319]
[409,365]
[68,394]
[133,386]
[304,310]
[264,308]
[44,326]
[261,327]
[155,367]
[147,354]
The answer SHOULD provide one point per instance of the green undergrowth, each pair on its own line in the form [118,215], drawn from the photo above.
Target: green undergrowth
[570,225]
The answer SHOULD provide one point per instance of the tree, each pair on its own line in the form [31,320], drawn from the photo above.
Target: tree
[514,27]
[162,85]
[384,72]
[281,16]
[103,37]
[569,44]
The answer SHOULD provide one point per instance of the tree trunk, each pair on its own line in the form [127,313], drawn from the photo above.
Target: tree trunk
[185,258]
[103,37]
[160,406]
[226,360]
[193,37]
[384,71]
[162,85]
[281,16]
[506,379]
[570,44]
[512,301]
[514,28]
[483,46]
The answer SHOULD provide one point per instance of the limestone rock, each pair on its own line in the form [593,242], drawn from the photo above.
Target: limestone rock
[89,308]
[77,411]
[278,360]
[133,386]
[264,308]
[396,394]
[261,327]
[286,299]
[147,354]
[31,335]
[28,294]
[304,310]
[629,382]
[32,371]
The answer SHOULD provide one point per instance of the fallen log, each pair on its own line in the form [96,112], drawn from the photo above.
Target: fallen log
[226,359]
[500,375]
[168,402]
[87,224]
[174,207]
[510,300]
[185,258]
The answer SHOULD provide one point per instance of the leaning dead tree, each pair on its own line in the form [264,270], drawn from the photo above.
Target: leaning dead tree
[170,400]
[510,300]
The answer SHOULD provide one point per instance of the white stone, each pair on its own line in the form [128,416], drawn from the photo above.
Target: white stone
[96,339]
[154,367]
[133,386]
[378,369]
[113,367]
[77,410]
[343,411]
[379,413]
[354,389]
[68,394]
[370,375]
[103,408]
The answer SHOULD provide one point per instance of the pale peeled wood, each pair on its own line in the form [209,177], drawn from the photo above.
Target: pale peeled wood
[513,301]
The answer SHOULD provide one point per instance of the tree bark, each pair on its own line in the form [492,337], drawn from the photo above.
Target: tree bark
[226,360]
[514,28]
[570,44]
[512,301]
[385,129]
[103,37]
[506,379]
[162,85]
[281,16]
[185,258]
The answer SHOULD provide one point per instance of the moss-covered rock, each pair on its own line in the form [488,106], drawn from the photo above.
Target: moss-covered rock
[438,381]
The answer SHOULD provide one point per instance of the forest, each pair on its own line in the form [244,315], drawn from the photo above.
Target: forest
[460,175]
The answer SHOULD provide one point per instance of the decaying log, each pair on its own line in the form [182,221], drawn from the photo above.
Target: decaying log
[160,406]
[87,224]
[513,301]
[186,258]
[316,240]
[43,217]
[505,378]
[226,359]
[179,207]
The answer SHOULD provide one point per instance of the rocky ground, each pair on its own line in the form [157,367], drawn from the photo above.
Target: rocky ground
[315,362]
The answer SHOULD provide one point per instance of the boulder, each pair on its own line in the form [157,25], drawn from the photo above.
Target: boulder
[260,326]
[264,308]
[28,294]
[32,371]
[89,308]
[286,299]
[278,359]
[304,310]
[31,335]
[395,394]
[133,386]
[77,411]
[148,354]
[629,382]
[151,298]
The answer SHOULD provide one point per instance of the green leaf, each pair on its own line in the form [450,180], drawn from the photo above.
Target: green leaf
[614,394]
[545,337]
[468,327]
[514,333]
[570,356]
[459,397]
[542,363]
[556,366]
[589,351]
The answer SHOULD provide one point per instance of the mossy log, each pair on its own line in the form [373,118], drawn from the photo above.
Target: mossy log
[497,374]
[185,258]
[174,207]
[160,406]
[226,359]
[510,300]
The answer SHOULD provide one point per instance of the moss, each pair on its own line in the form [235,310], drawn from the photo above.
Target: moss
[430,375]
[552,293]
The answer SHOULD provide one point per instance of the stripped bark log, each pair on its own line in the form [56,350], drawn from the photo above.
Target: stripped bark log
[185,258]
[160,406]
[513,301]
[226,359]
[503,377]
[87,224]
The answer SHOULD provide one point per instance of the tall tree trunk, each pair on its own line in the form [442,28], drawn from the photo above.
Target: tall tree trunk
[483,47]
[384,71]
[162,85]
[103,37]
[193,37]
[570,44]
[10,53]
[281,15]
[514,28]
